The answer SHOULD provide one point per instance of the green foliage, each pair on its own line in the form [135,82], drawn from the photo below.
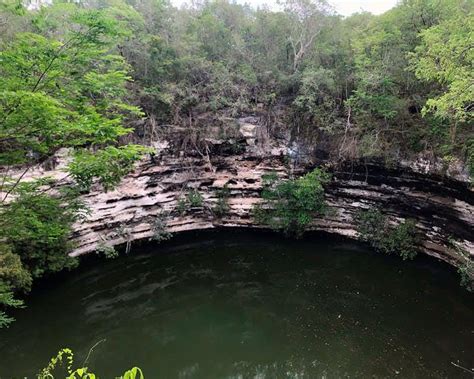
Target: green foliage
[290,205]
[7,300]
[466,272]
[76,75]
[160,233]
[446,56]
[374,227]
[62,87]
[66,357]
[36,226]
[62,92]
[12,272]
[466,268]
[182,206]
[221,207]
[108,165]
[317,98]
[194,198]
[66,89]
[106,250]
[364,79]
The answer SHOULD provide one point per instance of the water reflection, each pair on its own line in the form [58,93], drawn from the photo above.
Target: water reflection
[245,305]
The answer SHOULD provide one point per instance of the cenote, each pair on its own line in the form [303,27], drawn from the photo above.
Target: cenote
[242,304]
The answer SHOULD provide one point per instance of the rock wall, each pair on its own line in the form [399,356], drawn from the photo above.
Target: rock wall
[443,208]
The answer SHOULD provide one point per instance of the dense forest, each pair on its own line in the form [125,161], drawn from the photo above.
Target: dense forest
[105,78]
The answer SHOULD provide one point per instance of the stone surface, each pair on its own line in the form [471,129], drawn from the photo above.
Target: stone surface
[443,208]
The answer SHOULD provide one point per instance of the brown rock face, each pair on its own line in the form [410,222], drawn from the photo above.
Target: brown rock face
[443,208]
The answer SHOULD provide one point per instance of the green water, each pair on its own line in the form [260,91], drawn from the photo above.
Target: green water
[243,304]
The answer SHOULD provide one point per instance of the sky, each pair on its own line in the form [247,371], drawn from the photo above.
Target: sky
[343,7]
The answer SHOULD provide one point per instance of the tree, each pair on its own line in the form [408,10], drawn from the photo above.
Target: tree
[446,56]
[308,19]
[12,271]
[64,88]
[290,205]
[65,92]
[36,227]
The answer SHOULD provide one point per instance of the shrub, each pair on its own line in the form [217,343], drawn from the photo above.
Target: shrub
[181,206]
[195,199]
[221,208]
[159,229]
[466,272]
[37,226]
[374,227]
[290,205]
[107,251]
[466,269]
[12,271]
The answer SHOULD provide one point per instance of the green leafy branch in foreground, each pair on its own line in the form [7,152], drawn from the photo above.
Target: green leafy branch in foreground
[7,300]
[66,356]
[290,205]
[374,227]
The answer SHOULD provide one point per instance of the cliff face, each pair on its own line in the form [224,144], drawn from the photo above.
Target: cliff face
[443,208]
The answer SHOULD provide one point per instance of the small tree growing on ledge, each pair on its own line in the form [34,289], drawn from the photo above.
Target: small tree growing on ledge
[466,269]
[373,227]
[290,205]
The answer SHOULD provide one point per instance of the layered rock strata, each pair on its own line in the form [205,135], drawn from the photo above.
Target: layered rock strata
[443,208]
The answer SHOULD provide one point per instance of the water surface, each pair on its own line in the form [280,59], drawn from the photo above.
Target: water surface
[243,304]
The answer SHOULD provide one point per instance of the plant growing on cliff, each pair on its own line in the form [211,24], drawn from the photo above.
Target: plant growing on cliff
[106,250]
[160,233]
[290,205]
[182,206]
[36,227]
[221,207]
[466,269]
[194,198]
[466,272]
[374,227]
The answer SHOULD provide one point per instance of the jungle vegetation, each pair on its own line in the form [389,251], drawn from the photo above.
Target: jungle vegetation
[103,78]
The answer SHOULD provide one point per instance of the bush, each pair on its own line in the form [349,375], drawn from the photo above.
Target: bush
[159,229]
[221,208]
[34,234]
[466,269]
[37,226]
[107,251]
[374,227]
[466,272]
[195,199]
[182,206]
[290,205]
[12,272]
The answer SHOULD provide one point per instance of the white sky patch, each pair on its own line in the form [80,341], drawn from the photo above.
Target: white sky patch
[347,7]
[343,7]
